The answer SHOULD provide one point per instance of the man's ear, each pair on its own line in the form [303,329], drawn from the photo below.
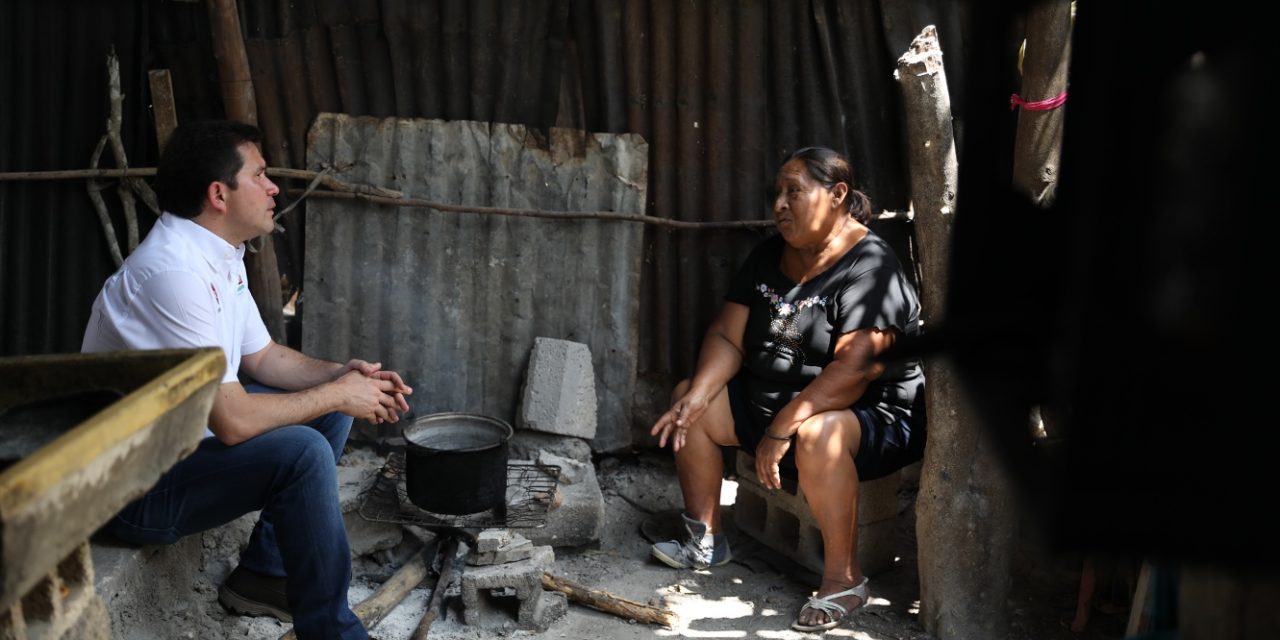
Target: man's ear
[216,196]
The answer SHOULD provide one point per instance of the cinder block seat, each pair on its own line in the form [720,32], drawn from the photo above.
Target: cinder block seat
[781,520]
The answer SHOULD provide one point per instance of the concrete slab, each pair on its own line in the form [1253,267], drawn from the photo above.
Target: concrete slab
[56,496]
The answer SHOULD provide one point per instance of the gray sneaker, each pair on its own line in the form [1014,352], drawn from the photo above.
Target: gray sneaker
[698,550]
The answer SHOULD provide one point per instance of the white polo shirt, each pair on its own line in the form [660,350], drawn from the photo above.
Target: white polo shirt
[183,287]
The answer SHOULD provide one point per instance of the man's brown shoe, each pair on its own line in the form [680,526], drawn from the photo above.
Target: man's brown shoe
[249,593]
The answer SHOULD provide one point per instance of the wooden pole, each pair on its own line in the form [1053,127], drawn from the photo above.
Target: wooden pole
[1037,149]
[1038,146]
[239,103]
[233,62]
[964,508]
[162,107]
[373,609]
[609,603]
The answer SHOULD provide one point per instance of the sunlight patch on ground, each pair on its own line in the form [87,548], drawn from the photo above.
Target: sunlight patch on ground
[689,633]
[728,493]
[693,607]
[849,633]
[693,610]
[831,633]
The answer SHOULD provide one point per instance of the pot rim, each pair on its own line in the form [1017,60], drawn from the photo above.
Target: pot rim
[423,423]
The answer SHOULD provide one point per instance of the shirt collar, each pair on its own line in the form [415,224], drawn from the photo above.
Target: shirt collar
[214,249]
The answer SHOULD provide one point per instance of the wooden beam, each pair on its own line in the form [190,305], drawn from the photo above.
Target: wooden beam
[162,107]
[238,100]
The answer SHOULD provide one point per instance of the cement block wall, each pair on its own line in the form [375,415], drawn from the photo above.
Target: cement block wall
[63,604]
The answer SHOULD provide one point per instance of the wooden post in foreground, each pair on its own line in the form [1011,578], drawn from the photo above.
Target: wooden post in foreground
[964,508]
[1038,147]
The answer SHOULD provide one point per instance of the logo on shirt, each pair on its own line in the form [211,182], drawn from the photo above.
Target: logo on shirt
[239,284]
[216,299]
[784,324]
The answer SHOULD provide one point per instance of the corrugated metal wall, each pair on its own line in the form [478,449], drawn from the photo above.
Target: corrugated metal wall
[719,89]
[454,302]
[53,110]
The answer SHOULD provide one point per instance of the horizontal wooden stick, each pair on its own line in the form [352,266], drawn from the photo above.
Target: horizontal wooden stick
[71,174]
[347,191]
[539,213]
[609,603]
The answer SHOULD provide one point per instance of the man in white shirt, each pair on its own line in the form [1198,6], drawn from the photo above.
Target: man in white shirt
[271,446]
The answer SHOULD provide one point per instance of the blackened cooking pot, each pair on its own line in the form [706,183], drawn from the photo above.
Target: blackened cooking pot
[456,463]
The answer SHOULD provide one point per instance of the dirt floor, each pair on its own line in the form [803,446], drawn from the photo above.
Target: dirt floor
[756,596]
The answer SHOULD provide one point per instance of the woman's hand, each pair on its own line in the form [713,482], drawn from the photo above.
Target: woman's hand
[675,423]
[768,454]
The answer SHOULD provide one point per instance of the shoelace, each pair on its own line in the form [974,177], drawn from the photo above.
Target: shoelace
[695,551]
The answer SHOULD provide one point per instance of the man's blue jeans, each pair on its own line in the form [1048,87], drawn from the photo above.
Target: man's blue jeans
[290,474]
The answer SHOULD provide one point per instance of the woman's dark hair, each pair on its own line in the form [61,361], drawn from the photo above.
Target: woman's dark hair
[829,168]
[197,155]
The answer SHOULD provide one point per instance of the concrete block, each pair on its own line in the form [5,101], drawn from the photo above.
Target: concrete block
[151,591]
[782,520]
[492,539]
[579,519]
[517,547]
[13,626]
[571,471]
[559,393]
[527,445]
[494,596]
[92,623]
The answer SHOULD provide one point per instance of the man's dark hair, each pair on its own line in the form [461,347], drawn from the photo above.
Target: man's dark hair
[198,154]
[830,168]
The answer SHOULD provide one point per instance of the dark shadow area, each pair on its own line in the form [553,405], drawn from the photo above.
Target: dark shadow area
[1127,309]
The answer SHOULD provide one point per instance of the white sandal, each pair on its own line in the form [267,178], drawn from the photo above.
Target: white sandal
[826,605]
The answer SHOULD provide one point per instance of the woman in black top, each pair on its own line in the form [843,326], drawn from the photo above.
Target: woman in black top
[791,368]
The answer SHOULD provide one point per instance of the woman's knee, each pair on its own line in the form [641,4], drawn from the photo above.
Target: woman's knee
[827,435]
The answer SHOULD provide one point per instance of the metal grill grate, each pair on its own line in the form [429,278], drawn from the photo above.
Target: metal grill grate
[530,489]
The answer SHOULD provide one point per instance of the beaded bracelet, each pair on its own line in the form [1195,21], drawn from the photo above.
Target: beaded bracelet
[773,437]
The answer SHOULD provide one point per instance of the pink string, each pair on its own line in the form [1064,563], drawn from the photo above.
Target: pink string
[1016,101]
